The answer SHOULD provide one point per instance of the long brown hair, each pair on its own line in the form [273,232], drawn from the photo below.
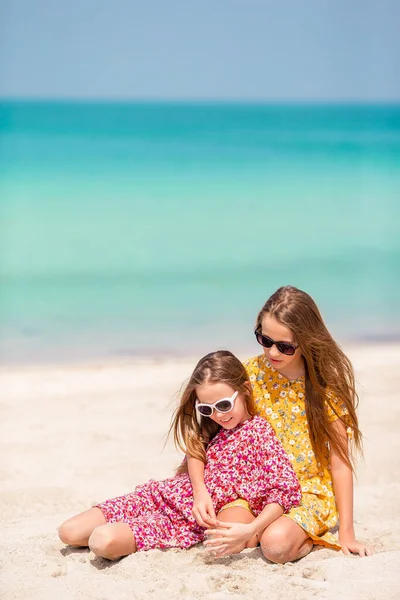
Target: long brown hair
[328,372]
[191,433]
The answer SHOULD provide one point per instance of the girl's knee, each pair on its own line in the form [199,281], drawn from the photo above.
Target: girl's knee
[69,532]
[76,530]
[277,547]
[112,541]
[101,542]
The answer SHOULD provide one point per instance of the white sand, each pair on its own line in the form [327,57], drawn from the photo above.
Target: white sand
[71,436]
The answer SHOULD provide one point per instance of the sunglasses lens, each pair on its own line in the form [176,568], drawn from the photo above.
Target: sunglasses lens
[263,340]
[224,406]
[267,342]
[206,411]
[287,349]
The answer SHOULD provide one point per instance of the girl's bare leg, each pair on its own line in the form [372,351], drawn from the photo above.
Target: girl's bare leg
[77,530]
[285,541]
[89,528]
[112,541]
[237,514]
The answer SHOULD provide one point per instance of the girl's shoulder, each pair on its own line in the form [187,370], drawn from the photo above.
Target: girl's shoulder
[334,407]
[253,360]
[261,425]
[260,436]
[260,370]
[257,364]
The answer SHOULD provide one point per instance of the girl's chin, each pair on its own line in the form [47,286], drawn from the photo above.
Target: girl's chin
[229,424]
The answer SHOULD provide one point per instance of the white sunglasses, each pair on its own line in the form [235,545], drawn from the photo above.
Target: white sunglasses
[224,405]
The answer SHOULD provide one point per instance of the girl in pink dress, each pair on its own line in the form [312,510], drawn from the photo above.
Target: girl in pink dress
[216,423]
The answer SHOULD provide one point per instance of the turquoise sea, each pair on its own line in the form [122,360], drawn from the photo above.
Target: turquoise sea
[161,228]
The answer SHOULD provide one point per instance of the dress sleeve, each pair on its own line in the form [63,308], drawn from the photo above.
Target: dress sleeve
[276,480]
[336,409]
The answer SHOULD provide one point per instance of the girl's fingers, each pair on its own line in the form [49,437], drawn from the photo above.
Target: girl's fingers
[213,532]
[217,550]
[203,518]
[210,521]
[366,551]
[211,513]
[214,542]
[199,520]
[220,525]
[224,525]
[210,532]
[202,523]
[223,553]
[359,549]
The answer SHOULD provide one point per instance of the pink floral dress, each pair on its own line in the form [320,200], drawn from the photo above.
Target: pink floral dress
[247,462]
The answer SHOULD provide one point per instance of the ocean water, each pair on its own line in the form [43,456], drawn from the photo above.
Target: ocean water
[161,229]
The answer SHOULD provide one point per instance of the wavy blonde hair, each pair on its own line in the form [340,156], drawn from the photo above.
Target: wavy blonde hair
[191,432]
[328,371]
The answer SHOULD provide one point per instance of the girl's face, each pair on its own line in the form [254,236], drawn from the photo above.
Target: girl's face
[280,333]
[210,393]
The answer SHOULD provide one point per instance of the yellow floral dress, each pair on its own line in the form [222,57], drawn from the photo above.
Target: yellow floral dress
[282,402]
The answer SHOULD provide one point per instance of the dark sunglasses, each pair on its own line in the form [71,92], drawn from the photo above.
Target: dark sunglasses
[267,342]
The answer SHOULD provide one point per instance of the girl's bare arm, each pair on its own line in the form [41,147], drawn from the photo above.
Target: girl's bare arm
[342,477]
[203,508]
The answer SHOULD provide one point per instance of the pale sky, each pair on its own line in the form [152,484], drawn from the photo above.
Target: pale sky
[262,50]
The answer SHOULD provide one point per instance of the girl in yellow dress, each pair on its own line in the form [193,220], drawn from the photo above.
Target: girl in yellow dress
[304,386]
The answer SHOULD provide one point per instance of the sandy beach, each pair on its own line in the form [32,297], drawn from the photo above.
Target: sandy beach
[74,435]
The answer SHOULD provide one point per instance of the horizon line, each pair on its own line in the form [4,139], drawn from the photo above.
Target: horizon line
[200,101]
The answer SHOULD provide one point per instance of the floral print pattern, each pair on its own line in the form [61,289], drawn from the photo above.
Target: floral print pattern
[282,402]
[246,462]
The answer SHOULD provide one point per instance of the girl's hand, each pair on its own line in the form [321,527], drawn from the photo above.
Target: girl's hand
[350,545]
[203,509]
[228,538]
